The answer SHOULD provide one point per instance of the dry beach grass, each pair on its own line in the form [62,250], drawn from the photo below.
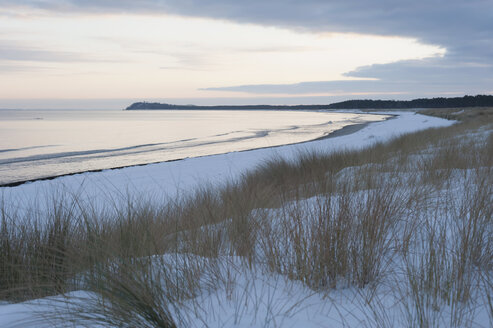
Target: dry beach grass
[413,215]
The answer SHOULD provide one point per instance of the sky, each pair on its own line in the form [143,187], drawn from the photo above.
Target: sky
[109,53]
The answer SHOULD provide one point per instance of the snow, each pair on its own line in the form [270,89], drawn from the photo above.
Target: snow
[253,297]
[169,180]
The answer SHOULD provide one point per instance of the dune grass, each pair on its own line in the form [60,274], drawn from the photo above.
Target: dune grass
[421,203]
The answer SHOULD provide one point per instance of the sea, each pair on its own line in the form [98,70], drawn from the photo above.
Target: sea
[38,144]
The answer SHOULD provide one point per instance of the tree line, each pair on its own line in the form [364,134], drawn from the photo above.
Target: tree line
[440,102]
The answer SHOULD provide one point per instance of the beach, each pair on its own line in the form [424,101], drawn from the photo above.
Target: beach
[173,179]
[331,232]
[44,144]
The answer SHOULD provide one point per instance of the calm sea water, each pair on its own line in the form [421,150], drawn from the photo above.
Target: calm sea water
[38,144]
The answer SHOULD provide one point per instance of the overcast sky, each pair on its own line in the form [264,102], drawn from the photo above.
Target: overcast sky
[106,53]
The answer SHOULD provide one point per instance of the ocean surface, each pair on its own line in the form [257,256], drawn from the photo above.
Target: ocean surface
[36,144]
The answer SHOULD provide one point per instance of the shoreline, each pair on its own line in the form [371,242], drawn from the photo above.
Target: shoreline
[346,130]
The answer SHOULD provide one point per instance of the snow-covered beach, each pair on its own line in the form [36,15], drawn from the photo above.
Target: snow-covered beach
[253,296]
[42,144]
[211,163]
[171,179]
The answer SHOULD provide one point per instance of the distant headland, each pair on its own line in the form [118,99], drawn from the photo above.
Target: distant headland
[466,101]
[160,106]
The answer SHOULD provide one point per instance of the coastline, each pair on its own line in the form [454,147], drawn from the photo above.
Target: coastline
[168,181]
[344,131]
[214,218]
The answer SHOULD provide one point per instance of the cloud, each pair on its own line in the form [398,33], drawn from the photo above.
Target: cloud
[15,51]
[435,21]
[19,57]
[462,27]
[429,76]
[12,68]
[428,71]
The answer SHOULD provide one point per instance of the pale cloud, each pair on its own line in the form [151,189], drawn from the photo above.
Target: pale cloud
[16,51]
[172,56]
[462,28]
[17,68]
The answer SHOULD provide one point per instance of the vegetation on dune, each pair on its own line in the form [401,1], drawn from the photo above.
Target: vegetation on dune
[440,102]
[417,209]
